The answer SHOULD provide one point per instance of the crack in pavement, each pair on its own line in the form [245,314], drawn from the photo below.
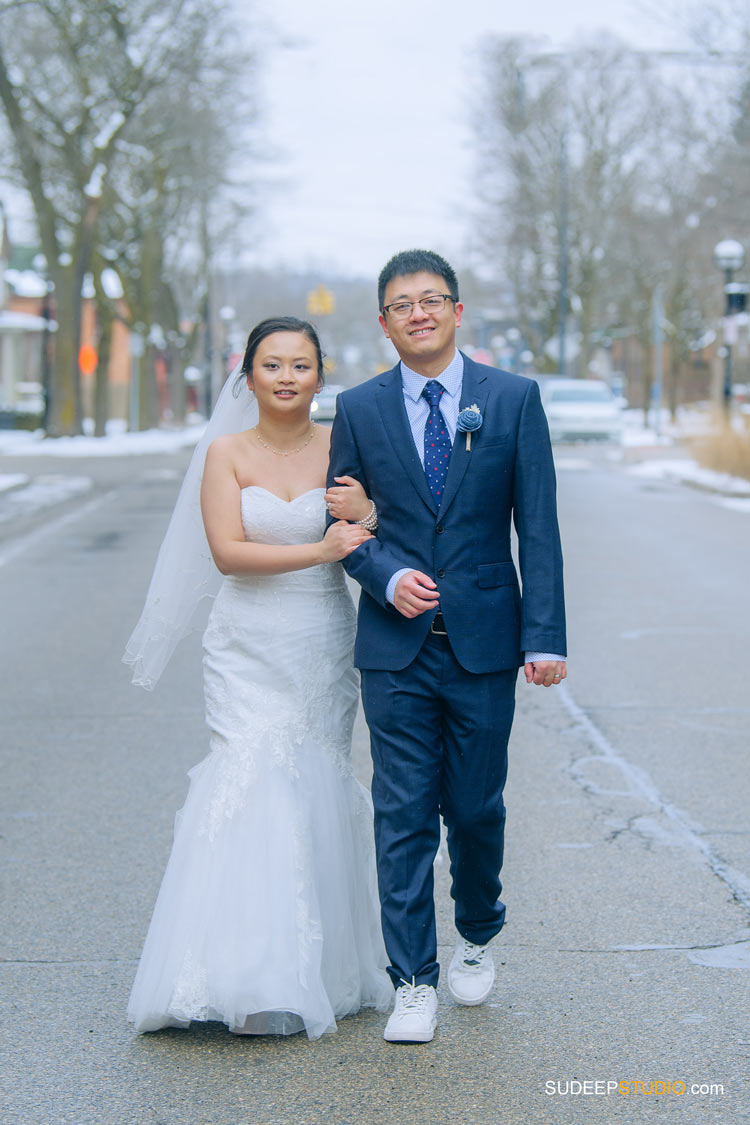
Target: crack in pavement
[640,783]
[68,961]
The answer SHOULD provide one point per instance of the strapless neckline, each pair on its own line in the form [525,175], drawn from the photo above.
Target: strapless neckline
[281,499]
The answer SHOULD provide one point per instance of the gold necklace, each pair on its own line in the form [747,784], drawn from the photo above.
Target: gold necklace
[285,452]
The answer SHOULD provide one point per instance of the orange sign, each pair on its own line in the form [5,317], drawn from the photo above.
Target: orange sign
[87,359]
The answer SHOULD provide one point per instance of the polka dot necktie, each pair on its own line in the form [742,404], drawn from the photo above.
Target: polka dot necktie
[437,442]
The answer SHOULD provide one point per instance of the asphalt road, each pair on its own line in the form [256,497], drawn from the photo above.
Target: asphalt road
[626,957]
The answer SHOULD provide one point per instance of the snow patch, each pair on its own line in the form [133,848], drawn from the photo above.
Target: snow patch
[26,283]
[23,444]
[43,492]
[740,505]
[108,131]
[95,185]
[12,480]
[688,471]
[111,284]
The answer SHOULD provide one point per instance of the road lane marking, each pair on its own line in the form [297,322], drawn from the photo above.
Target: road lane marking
[686,831]
[41,533]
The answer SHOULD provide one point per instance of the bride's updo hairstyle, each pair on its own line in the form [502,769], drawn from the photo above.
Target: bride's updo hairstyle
[268,328]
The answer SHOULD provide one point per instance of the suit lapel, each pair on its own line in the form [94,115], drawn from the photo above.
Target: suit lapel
[390,400]
[474,390]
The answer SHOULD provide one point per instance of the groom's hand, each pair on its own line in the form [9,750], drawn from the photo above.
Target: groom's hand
[415,593]
[546,673]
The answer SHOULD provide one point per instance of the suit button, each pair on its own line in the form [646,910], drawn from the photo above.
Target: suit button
[441,573]
[440,529]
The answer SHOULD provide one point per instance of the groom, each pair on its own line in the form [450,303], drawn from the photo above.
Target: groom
[451,452]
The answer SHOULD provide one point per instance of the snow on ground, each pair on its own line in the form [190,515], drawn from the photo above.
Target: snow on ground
[691,422]
[635,434]
[690,472]
[12,480]
[117,443]
[24,495]
[43,492]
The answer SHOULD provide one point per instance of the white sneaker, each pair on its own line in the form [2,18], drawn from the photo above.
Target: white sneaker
[414,1017]
[471,974]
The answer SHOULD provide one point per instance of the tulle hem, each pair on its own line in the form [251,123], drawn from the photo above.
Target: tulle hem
[273,1022]
[267,919]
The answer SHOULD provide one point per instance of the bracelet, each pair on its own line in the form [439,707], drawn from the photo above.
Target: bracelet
[370,522]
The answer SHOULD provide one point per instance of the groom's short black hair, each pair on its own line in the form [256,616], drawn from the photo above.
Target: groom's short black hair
[416,261]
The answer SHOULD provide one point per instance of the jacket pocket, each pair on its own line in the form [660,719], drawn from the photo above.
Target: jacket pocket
[496,574]
[490,441]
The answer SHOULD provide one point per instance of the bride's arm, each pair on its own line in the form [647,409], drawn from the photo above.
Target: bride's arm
[220,506]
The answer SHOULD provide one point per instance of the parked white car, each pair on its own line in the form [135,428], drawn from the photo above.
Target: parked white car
[578,409]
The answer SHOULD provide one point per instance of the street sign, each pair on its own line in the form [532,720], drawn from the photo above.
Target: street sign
[321,302]
[87,359]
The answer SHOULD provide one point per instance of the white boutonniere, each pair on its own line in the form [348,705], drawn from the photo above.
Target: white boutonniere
[469,420]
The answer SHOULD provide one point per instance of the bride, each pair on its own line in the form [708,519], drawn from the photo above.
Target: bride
[267,918]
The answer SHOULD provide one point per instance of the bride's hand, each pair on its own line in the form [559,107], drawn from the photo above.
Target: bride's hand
[341,539]
[348,501]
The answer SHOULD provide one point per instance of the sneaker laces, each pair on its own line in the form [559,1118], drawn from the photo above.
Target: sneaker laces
[413,997]
[473,955]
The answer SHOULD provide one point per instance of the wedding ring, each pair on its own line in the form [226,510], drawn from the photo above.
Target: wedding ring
[557,676]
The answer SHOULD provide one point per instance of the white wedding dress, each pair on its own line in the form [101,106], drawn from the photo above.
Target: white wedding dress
[268,917]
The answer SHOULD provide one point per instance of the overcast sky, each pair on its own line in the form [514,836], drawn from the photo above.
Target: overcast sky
[367,114]
[370,108]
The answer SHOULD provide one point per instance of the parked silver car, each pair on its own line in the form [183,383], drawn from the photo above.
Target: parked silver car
[578,409]
[323,408]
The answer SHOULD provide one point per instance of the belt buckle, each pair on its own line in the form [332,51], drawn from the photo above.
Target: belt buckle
[437,620]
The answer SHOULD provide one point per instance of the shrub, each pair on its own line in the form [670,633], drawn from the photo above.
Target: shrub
[726,450]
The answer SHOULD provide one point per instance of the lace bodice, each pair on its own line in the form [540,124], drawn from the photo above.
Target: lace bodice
[278,655]
[266,518]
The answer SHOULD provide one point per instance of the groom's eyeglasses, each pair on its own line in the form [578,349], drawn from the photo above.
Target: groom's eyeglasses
[435,303]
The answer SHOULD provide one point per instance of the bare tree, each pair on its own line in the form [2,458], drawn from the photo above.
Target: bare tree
[102,100]
[594,158]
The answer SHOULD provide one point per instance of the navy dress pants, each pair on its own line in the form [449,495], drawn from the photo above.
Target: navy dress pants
[439,738]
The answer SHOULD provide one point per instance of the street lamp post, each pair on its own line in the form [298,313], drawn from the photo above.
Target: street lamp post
[729,256]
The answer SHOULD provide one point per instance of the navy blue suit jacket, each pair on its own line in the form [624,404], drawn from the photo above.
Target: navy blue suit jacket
[465,545]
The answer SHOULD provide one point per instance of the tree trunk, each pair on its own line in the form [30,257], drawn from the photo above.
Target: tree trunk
[65,393]
[177,393]
[675,366]
[101,386]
